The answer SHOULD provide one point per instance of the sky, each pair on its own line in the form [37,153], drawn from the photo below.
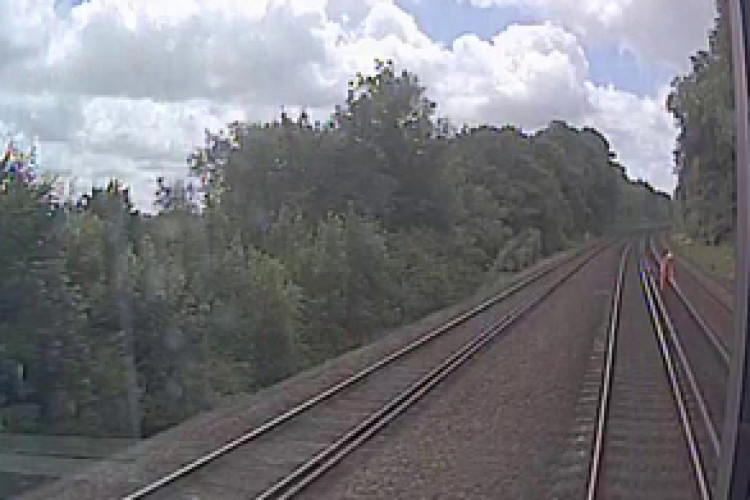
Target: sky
[125,88]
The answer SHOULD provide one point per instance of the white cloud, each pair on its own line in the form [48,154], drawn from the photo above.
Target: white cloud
[227,49]
[25,30]
[148,129]
[663,31]
[525,75]
[639,128]
[127,88]
[48,116]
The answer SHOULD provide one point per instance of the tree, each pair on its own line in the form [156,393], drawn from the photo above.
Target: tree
[703,107]
[290,243]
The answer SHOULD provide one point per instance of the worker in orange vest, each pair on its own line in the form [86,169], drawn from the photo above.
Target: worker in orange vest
[666,270]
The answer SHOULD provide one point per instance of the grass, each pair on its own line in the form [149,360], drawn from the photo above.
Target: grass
[718,260]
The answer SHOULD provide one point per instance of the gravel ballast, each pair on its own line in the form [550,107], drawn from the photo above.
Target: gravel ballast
[496,428]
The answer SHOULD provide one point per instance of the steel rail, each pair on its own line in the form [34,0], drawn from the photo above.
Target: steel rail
[326,394]
[325,460]
[606,387]
[687,369]
[713,339]
[669,365]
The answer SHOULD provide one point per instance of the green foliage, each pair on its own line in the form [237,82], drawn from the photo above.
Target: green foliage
[308,240]
[702,103]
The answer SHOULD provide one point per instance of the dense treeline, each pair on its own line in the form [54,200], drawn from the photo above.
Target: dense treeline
[309,239]
[703,105]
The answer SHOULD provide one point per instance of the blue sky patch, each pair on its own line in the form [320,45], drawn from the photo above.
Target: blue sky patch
[609,65]
[446,20]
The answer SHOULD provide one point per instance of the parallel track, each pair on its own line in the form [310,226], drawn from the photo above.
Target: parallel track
[703,363]
[314,468]
[372,413]
[644,443]
[700,278]
[716,343]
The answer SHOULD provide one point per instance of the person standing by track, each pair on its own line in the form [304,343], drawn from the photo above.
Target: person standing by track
[666,269]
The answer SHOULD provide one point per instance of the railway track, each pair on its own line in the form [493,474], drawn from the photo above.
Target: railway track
[289,452]
[717,290]
[713,317]
[645,444]
[704,361]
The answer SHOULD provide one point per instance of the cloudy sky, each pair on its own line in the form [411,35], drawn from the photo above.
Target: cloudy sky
[125,87]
